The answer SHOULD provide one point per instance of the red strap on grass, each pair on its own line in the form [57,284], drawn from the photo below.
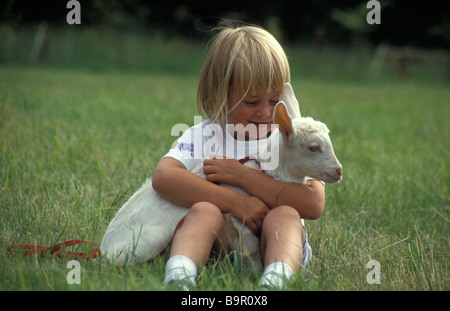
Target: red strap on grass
[55,250]
[30,249]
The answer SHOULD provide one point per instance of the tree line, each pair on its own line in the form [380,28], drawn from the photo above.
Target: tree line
[402,22]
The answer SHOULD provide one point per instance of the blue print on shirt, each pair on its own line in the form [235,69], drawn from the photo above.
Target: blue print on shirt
[186,147]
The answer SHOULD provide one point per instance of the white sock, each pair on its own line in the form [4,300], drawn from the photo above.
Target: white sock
[180,268]
[276,275]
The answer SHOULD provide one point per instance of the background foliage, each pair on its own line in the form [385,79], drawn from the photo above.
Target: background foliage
[403,22]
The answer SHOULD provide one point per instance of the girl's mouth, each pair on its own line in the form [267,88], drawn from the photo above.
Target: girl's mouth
[259,123]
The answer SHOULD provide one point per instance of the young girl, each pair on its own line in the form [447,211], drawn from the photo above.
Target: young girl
[240,84]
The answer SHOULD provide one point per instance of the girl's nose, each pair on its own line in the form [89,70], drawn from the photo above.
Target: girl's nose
[264,110]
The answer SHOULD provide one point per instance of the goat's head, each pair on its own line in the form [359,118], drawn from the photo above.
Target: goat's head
[306,149]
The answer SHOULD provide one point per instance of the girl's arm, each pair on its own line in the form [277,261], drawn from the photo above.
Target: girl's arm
[308,200]
[173,182]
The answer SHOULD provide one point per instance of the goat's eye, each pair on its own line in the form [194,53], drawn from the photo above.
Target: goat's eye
[314,148]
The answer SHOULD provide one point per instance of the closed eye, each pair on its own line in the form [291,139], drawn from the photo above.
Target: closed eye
[251,103]
[314,148]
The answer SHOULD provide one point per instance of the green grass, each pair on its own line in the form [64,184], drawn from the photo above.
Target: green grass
[75,145]
[81,131]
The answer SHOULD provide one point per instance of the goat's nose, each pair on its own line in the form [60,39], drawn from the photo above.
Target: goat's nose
[339,170]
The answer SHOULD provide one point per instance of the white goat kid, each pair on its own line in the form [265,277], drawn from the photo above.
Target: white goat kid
[144,225]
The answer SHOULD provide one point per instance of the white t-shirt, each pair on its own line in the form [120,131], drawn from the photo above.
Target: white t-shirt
[207,139]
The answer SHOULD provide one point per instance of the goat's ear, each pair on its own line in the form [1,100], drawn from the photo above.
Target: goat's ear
[284,121]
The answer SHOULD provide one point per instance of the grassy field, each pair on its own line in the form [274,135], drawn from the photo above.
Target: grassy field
[75,144]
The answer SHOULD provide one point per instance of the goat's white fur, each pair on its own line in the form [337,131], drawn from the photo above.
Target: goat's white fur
[144,225]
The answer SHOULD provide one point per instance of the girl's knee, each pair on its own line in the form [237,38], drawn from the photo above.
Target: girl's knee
[282,234]
[209,217]
[282,213]
[205,208]
[282,218]
[208,212]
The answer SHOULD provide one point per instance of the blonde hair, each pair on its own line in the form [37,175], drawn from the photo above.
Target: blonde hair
[245,60]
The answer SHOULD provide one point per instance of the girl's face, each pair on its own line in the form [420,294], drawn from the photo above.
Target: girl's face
[254,113]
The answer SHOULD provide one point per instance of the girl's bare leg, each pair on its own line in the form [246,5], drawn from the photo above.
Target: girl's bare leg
[203,230]
[282,240]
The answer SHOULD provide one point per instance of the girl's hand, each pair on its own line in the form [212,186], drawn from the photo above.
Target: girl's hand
[251,211]
[224,170]
[248,209]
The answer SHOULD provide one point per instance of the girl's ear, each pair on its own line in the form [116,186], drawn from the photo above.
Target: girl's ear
[284,121]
